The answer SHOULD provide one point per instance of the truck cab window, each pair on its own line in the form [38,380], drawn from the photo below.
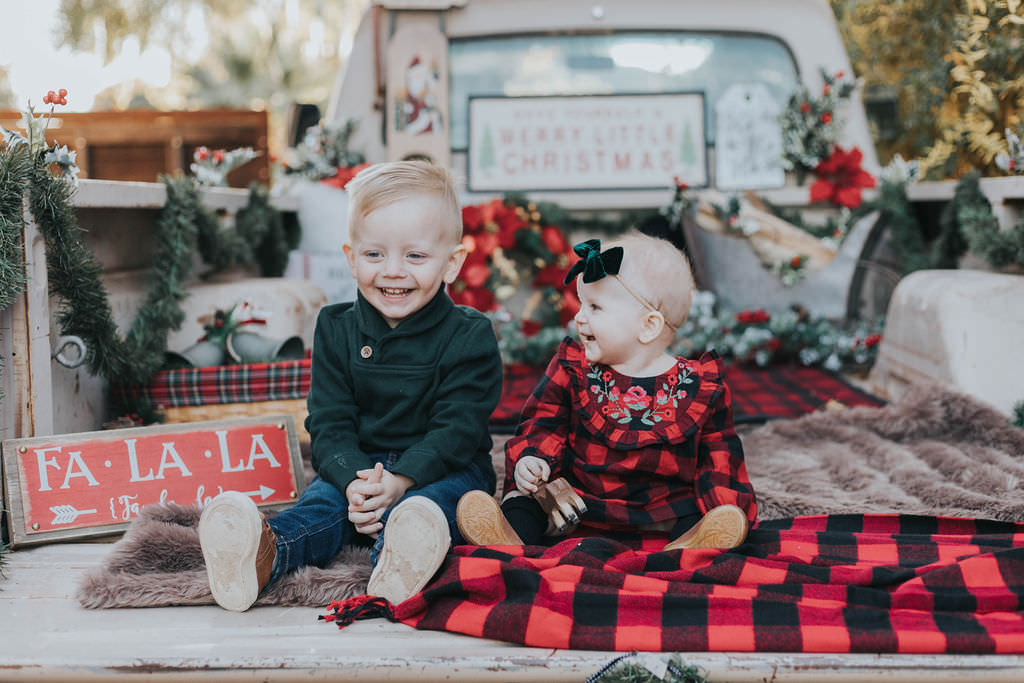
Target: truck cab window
[619,63]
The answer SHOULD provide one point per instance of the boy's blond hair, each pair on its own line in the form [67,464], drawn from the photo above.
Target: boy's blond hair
[659,272]
[383,184]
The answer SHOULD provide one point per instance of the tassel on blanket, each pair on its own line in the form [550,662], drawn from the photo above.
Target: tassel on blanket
[344,612]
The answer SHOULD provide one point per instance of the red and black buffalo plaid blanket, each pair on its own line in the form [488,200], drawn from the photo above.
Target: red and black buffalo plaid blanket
[838,583]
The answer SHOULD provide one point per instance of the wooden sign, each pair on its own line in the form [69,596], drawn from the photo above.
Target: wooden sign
[94,483]
[417,92]
[591,142]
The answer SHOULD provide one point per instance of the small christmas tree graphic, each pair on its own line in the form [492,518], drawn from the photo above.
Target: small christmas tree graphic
[486,158]
[688,150]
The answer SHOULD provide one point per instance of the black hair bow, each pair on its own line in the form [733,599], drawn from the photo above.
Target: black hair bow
[593,263]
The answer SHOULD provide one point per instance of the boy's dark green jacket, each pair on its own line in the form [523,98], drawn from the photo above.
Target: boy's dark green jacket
[425,389]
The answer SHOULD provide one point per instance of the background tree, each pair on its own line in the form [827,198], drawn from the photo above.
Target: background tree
[252,54]
[6,95]
[958,83]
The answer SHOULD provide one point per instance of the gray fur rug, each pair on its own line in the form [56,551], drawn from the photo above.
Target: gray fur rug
[933,452]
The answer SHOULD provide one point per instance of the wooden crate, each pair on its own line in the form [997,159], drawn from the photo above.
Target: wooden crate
[221,411]
[142,145]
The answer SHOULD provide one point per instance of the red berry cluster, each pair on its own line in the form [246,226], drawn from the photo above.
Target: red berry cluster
[203,153]
[59,97]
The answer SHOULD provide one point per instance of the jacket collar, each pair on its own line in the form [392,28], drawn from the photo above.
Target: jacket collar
[372,323]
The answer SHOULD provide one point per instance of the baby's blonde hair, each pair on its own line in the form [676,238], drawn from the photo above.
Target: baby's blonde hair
[383,184]
[659,272]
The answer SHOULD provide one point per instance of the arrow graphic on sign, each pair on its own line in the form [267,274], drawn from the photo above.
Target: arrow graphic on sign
[65,514]
[263,493]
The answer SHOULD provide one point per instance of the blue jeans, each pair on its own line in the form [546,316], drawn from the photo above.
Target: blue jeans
[313,530]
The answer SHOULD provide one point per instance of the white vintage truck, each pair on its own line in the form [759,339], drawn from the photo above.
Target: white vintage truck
[600,106]
[430,78]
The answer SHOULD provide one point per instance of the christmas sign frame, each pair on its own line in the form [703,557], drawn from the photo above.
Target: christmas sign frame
[91,484]
[587,142]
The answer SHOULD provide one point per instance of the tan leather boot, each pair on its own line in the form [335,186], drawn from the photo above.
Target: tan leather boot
[481,521]
[239,548]
[416,541]
[722,527]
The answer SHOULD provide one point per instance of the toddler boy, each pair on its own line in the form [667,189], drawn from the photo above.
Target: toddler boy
[402,387]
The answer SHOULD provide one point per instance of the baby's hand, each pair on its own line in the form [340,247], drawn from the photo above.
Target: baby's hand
[530,473]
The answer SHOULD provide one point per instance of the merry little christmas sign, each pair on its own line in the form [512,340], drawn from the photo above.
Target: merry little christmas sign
[94,483]
[587,142]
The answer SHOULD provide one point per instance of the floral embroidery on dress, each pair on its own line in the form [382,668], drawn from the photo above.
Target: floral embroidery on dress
[635,403]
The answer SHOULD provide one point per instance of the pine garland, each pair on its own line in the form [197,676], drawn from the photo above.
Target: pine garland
[630,669]
[896,214]
[951,244]
[75,278]
[980,227]
[182,226]
[14,170]
[264,226]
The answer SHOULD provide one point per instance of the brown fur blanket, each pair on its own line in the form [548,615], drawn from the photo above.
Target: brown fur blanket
[933,452]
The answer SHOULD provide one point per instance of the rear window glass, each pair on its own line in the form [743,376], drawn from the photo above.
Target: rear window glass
[605,64]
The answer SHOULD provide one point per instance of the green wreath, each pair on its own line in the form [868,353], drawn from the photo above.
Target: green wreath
[183,227]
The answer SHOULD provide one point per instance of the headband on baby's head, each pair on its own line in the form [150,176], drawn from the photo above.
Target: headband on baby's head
[595,264]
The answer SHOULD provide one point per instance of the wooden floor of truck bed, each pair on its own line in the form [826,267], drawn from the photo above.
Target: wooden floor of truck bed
[45,635]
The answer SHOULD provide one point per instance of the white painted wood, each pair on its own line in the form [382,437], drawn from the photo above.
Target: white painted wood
[122,194]
[46,635]
[37,319]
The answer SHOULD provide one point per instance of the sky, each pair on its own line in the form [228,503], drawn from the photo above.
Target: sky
[35,65]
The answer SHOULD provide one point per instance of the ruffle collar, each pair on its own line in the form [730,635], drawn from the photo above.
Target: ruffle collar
[687,417]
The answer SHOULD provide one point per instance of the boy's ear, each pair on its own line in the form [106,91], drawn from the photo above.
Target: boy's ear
[651,328]
[454,265]
[350,254]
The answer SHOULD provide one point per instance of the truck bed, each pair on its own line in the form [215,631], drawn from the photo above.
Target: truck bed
[46,635]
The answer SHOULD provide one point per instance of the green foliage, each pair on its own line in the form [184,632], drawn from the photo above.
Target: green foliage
[876,36]
[897,216]
[809,126]
[792,336]
[980,228]
[6,95]
[265,228]
[1018,414]
[14,171]
[261,54]
[958,81]
[183,226]
[951,243]
[630,669]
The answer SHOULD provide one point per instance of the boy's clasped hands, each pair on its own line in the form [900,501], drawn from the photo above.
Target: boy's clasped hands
[370,494]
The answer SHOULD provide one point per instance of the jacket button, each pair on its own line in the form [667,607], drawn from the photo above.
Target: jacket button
[366,352]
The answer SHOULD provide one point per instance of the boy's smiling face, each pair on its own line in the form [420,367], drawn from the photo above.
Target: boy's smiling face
[402,254]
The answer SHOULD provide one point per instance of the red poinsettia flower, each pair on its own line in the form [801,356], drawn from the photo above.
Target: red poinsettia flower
[480,298]
[531,327]
[551,275]
[569,306]
[344,174]
[872,340]
[476,216]
[840,178]
[507,223]
[554,240]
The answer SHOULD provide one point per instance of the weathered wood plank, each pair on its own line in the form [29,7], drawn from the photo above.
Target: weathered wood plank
[46,635]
